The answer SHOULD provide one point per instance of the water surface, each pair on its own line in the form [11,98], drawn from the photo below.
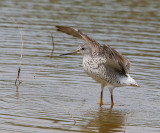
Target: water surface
[56,95]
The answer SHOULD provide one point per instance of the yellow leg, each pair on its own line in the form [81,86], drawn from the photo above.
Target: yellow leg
[112,103]
[110,87]
[100,102]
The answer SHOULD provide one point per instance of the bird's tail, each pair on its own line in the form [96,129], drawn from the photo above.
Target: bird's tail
[129,81]
[136,85]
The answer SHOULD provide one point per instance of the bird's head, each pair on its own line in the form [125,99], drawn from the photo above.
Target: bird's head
[83,49]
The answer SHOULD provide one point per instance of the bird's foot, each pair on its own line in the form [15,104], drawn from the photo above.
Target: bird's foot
[100,103]
[112,104]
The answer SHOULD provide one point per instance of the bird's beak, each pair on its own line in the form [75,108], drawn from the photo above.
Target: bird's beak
[74,52]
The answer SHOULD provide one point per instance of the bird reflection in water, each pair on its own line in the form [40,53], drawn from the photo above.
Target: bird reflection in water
[106,121]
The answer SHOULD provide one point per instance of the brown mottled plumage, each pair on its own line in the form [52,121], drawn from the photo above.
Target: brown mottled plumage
[101,62]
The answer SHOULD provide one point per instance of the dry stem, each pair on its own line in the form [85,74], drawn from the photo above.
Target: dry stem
[17,81]
[52,44]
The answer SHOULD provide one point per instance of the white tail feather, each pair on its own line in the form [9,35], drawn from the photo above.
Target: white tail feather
[128,81]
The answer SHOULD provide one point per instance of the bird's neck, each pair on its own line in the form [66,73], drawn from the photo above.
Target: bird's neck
[87,57]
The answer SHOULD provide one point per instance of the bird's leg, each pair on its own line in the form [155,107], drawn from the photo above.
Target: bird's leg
[111,92]
[112,103]
[101,102]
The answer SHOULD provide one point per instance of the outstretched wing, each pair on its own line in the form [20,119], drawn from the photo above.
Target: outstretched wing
[113,58]
[116,60]
[76,33]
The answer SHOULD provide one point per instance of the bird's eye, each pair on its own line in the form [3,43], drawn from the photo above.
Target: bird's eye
[83,48]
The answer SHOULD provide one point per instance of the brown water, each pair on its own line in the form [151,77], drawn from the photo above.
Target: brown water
[60,97]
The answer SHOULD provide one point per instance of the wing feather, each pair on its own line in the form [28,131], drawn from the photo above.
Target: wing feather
[69,31]
[76,33]
[116,59]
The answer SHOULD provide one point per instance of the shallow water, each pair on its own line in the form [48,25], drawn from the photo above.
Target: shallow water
[56,95]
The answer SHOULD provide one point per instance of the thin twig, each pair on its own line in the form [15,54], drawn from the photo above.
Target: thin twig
[52,44]
[17,81]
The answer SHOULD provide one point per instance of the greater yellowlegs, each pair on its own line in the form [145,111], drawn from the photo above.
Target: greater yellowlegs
[101,62]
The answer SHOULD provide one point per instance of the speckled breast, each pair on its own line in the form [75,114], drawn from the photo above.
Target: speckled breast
[94,68]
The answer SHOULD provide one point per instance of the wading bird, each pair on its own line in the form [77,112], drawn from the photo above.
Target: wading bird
[101,62]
